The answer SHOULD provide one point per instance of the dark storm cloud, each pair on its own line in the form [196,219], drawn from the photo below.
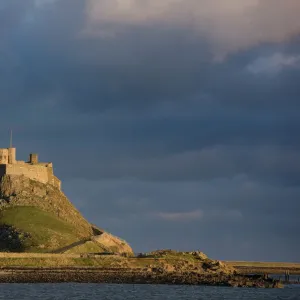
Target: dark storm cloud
[151,135]
[12,13]
[160,212]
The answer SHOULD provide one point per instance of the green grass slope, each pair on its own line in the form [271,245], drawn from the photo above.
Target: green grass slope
[30,229]
[16,190]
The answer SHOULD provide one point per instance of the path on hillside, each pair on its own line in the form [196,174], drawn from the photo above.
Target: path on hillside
[66,248]
[79,243]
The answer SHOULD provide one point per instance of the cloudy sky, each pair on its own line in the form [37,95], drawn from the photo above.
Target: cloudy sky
[172,123]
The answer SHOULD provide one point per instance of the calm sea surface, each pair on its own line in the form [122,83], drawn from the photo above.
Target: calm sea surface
[145,292]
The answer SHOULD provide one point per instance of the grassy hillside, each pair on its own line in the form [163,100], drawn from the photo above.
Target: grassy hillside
[37,217]
[22,191]
[25,228]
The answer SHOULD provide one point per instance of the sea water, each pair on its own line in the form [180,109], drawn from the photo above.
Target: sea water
[143,292]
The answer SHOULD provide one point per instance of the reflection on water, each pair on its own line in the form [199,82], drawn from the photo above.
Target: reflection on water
[145,292]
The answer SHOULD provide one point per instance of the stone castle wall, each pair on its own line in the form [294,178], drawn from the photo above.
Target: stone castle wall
[39,173]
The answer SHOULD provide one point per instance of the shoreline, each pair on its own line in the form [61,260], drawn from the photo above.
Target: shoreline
[129,276]
[157,267]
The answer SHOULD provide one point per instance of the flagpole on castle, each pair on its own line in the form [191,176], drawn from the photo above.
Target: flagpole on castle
[11,136]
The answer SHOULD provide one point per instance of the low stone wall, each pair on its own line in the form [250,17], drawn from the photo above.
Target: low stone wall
[37,255]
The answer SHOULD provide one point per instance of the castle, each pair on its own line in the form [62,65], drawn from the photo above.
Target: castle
[33,169]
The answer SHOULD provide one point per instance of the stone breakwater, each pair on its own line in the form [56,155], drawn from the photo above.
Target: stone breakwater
[129,276]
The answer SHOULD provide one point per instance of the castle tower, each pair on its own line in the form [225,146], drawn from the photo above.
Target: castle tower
[33,158]
[12,155]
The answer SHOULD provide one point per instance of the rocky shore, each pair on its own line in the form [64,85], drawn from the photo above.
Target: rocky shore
[129,276]
[157,267]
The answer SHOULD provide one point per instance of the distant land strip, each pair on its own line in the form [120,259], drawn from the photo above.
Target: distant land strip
[248,267]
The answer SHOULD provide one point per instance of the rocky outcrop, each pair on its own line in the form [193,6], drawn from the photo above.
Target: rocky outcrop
[171,260]
[174,267]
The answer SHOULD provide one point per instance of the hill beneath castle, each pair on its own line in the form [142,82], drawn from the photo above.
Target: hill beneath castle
[38,217]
